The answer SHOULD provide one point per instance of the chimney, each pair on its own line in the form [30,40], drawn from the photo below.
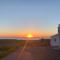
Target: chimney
[59,29]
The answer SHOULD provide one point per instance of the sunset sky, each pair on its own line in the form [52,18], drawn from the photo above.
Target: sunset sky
[21,17]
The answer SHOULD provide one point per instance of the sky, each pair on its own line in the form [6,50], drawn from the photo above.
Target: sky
[21,17]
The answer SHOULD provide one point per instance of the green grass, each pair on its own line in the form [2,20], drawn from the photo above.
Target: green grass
[5,50]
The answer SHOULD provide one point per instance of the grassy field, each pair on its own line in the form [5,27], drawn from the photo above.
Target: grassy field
[6,47]
[9,45]
[5,50]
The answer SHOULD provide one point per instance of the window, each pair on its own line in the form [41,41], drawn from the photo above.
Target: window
[55,39]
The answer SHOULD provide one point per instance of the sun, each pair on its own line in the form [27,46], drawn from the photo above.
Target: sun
[29,35]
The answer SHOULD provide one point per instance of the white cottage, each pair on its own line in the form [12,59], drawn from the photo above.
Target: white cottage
[55,39]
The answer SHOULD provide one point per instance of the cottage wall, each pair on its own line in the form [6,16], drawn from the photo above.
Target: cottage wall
[55,41]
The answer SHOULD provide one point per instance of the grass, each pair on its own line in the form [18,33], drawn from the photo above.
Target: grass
[14,44]
[5,50]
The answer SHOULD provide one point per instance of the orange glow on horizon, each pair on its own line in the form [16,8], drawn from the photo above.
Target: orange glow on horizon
[29,35]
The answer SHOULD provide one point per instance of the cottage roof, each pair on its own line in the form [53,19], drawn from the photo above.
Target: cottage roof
[54,35]
[59,25]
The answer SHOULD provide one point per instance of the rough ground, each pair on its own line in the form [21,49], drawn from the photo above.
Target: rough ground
[36,53]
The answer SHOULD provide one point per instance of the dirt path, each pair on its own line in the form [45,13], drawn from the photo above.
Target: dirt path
[37,53]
